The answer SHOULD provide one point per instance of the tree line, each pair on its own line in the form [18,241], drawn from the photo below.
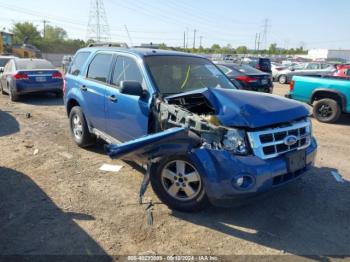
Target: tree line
[55,40]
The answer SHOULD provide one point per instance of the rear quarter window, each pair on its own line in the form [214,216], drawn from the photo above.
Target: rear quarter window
[78,63]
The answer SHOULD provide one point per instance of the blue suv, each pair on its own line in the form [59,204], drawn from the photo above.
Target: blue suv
[202,140]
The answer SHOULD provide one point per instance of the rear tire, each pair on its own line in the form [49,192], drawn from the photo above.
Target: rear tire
[327,110]
[14,97]
[178,184]
[79,128]
[283,79]
[2,89]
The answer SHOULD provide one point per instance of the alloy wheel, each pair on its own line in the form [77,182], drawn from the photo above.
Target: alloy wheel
[77,127]
[181,180]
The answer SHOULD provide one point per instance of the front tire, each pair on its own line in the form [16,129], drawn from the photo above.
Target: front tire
[178,183]
[79,128]
[327,110]
[283,79]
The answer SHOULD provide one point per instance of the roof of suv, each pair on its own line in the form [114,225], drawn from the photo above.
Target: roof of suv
[141,52]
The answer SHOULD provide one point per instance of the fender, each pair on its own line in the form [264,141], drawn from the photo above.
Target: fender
[327,90]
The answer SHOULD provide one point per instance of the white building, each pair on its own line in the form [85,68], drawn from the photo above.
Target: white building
[323,54]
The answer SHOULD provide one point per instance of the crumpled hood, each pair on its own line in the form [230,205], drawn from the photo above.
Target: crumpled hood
[238,108]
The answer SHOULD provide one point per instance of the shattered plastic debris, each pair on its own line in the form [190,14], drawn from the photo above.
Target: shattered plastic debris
[110,168]
[36,151]
[337,177]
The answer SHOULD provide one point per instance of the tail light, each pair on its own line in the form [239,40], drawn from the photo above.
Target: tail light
[21,76]
[57,75]
[246,79]
[291,86]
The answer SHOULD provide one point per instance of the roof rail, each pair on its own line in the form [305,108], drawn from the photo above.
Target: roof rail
[116,44]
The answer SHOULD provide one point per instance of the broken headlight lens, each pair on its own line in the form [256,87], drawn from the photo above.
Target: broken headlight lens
[234,141]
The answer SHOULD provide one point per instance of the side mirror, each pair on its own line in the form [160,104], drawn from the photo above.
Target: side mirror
[132,88]
[291,68]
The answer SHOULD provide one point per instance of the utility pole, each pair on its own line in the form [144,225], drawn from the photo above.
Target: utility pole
[45,22]
[265,31]
[194,38]
[200,41]
[258,42]
[184,39]
[187,37]
[256,39]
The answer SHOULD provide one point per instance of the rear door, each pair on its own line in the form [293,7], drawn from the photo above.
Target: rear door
[127,116]
[93,89]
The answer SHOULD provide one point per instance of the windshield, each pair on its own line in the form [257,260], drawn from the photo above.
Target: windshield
[29,64]
[3,61]
[179,74]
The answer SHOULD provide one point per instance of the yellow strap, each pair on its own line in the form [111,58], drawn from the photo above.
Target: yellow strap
[187,77]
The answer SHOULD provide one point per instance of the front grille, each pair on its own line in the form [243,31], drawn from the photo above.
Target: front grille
[272,142]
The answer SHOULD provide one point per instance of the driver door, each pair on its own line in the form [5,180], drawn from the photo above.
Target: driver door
[127,115]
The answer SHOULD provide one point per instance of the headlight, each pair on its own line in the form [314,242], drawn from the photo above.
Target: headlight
[234,140]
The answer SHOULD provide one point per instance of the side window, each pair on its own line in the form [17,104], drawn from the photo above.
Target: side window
[126,69]
[348,72]
[100,67]
[78,62]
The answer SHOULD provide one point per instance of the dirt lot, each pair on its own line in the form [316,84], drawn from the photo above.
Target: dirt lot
[54,199]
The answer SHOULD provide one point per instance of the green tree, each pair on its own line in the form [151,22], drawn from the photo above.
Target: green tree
[242,50]
[26,33]
[54,33]
[273,49]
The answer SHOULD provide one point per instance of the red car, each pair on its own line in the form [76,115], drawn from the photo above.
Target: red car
[342,71]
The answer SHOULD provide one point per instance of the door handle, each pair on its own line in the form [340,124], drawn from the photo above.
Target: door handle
[113,98]
[83,88]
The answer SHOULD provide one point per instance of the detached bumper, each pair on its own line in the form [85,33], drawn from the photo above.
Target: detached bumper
[220,169]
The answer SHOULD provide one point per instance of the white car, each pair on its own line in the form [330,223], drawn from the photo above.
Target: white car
[3,62]
[276,68]
[307,69]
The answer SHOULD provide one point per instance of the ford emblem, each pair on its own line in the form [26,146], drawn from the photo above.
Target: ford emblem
[290,140]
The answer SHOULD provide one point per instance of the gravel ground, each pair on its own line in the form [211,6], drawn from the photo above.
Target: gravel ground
[54,199]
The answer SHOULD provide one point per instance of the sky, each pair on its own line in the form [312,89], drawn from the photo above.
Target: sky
[290,23]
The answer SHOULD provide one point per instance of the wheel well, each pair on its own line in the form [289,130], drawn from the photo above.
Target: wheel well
[331,95]
[71,103]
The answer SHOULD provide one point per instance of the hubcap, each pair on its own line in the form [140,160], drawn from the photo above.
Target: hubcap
[325,111]
[181,180]
[77,127]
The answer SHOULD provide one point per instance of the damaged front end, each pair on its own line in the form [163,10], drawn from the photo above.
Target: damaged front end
[179,125]
[225,135]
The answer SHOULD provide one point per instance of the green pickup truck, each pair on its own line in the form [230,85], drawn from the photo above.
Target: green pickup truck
[330,96]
